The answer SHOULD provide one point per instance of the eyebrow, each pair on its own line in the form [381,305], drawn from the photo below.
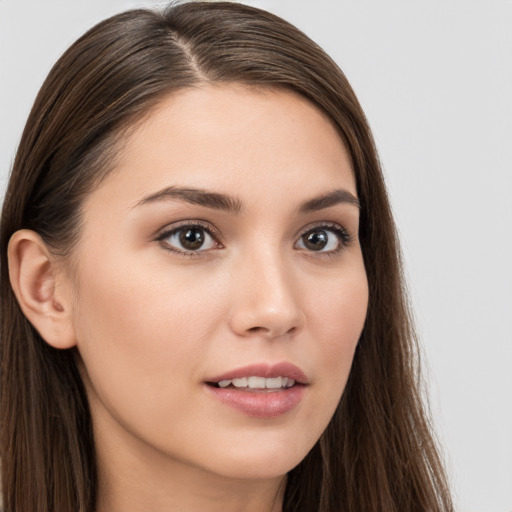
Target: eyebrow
[196,196]
[234,205]
[338,196]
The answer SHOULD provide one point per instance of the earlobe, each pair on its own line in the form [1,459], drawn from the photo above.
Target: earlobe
[44,299]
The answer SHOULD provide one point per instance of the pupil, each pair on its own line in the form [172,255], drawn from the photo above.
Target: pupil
[192,238]
[316,240]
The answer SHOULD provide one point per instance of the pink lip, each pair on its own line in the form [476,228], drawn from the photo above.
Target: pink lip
[261,404]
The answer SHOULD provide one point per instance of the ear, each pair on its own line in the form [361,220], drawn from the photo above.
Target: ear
[42,292]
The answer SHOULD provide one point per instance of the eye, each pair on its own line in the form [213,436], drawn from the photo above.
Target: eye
[190,238]
[329,239]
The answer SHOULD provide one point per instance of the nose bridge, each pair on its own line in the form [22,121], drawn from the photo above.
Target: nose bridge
[266,300]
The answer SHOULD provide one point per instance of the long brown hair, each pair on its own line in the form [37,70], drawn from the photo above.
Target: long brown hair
[377,453]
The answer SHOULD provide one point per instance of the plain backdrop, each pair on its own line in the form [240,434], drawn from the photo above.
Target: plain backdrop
[435,79]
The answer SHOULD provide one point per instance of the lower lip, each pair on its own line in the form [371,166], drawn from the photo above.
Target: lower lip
[260,404]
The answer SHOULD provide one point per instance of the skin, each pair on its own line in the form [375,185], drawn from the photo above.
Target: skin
[153,322]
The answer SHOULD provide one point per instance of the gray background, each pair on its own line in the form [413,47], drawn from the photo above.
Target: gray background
[435,79]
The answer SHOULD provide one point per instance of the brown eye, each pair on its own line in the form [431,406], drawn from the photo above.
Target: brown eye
[323,239]
[189,239]
[192,238]
[316,240]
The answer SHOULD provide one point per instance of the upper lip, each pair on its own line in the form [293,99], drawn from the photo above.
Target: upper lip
[267,370]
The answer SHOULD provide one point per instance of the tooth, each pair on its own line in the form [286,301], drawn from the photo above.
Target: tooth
[256,382]
[274,383]
[240,383]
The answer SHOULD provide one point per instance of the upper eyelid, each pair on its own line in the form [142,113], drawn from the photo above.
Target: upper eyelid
[336,226]
[176,226]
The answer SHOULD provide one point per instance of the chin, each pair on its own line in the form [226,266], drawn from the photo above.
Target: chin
[269,463]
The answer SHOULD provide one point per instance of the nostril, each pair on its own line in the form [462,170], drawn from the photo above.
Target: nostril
[270,332]
[258,329]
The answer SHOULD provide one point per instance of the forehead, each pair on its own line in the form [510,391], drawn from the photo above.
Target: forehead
[232,139]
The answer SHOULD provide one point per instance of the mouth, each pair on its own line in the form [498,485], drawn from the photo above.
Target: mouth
[261,377]
[256,383]
[262,390]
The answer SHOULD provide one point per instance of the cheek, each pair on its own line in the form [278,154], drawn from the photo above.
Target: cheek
[136,329]
[123,298]
[143,344]
[336,322]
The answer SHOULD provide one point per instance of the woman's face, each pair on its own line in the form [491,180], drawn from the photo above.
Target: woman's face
[223,248]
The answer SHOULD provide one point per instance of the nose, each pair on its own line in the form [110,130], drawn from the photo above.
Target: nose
[267,298]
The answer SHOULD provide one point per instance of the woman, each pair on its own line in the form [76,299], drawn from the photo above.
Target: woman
[201,286]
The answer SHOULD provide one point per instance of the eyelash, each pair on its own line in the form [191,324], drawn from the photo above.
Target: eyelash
[176,228]
[341,233]
[343,236]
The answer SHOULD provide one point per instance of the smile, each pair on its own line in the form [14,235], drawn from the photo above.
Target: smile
[258,383]
[263,391]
